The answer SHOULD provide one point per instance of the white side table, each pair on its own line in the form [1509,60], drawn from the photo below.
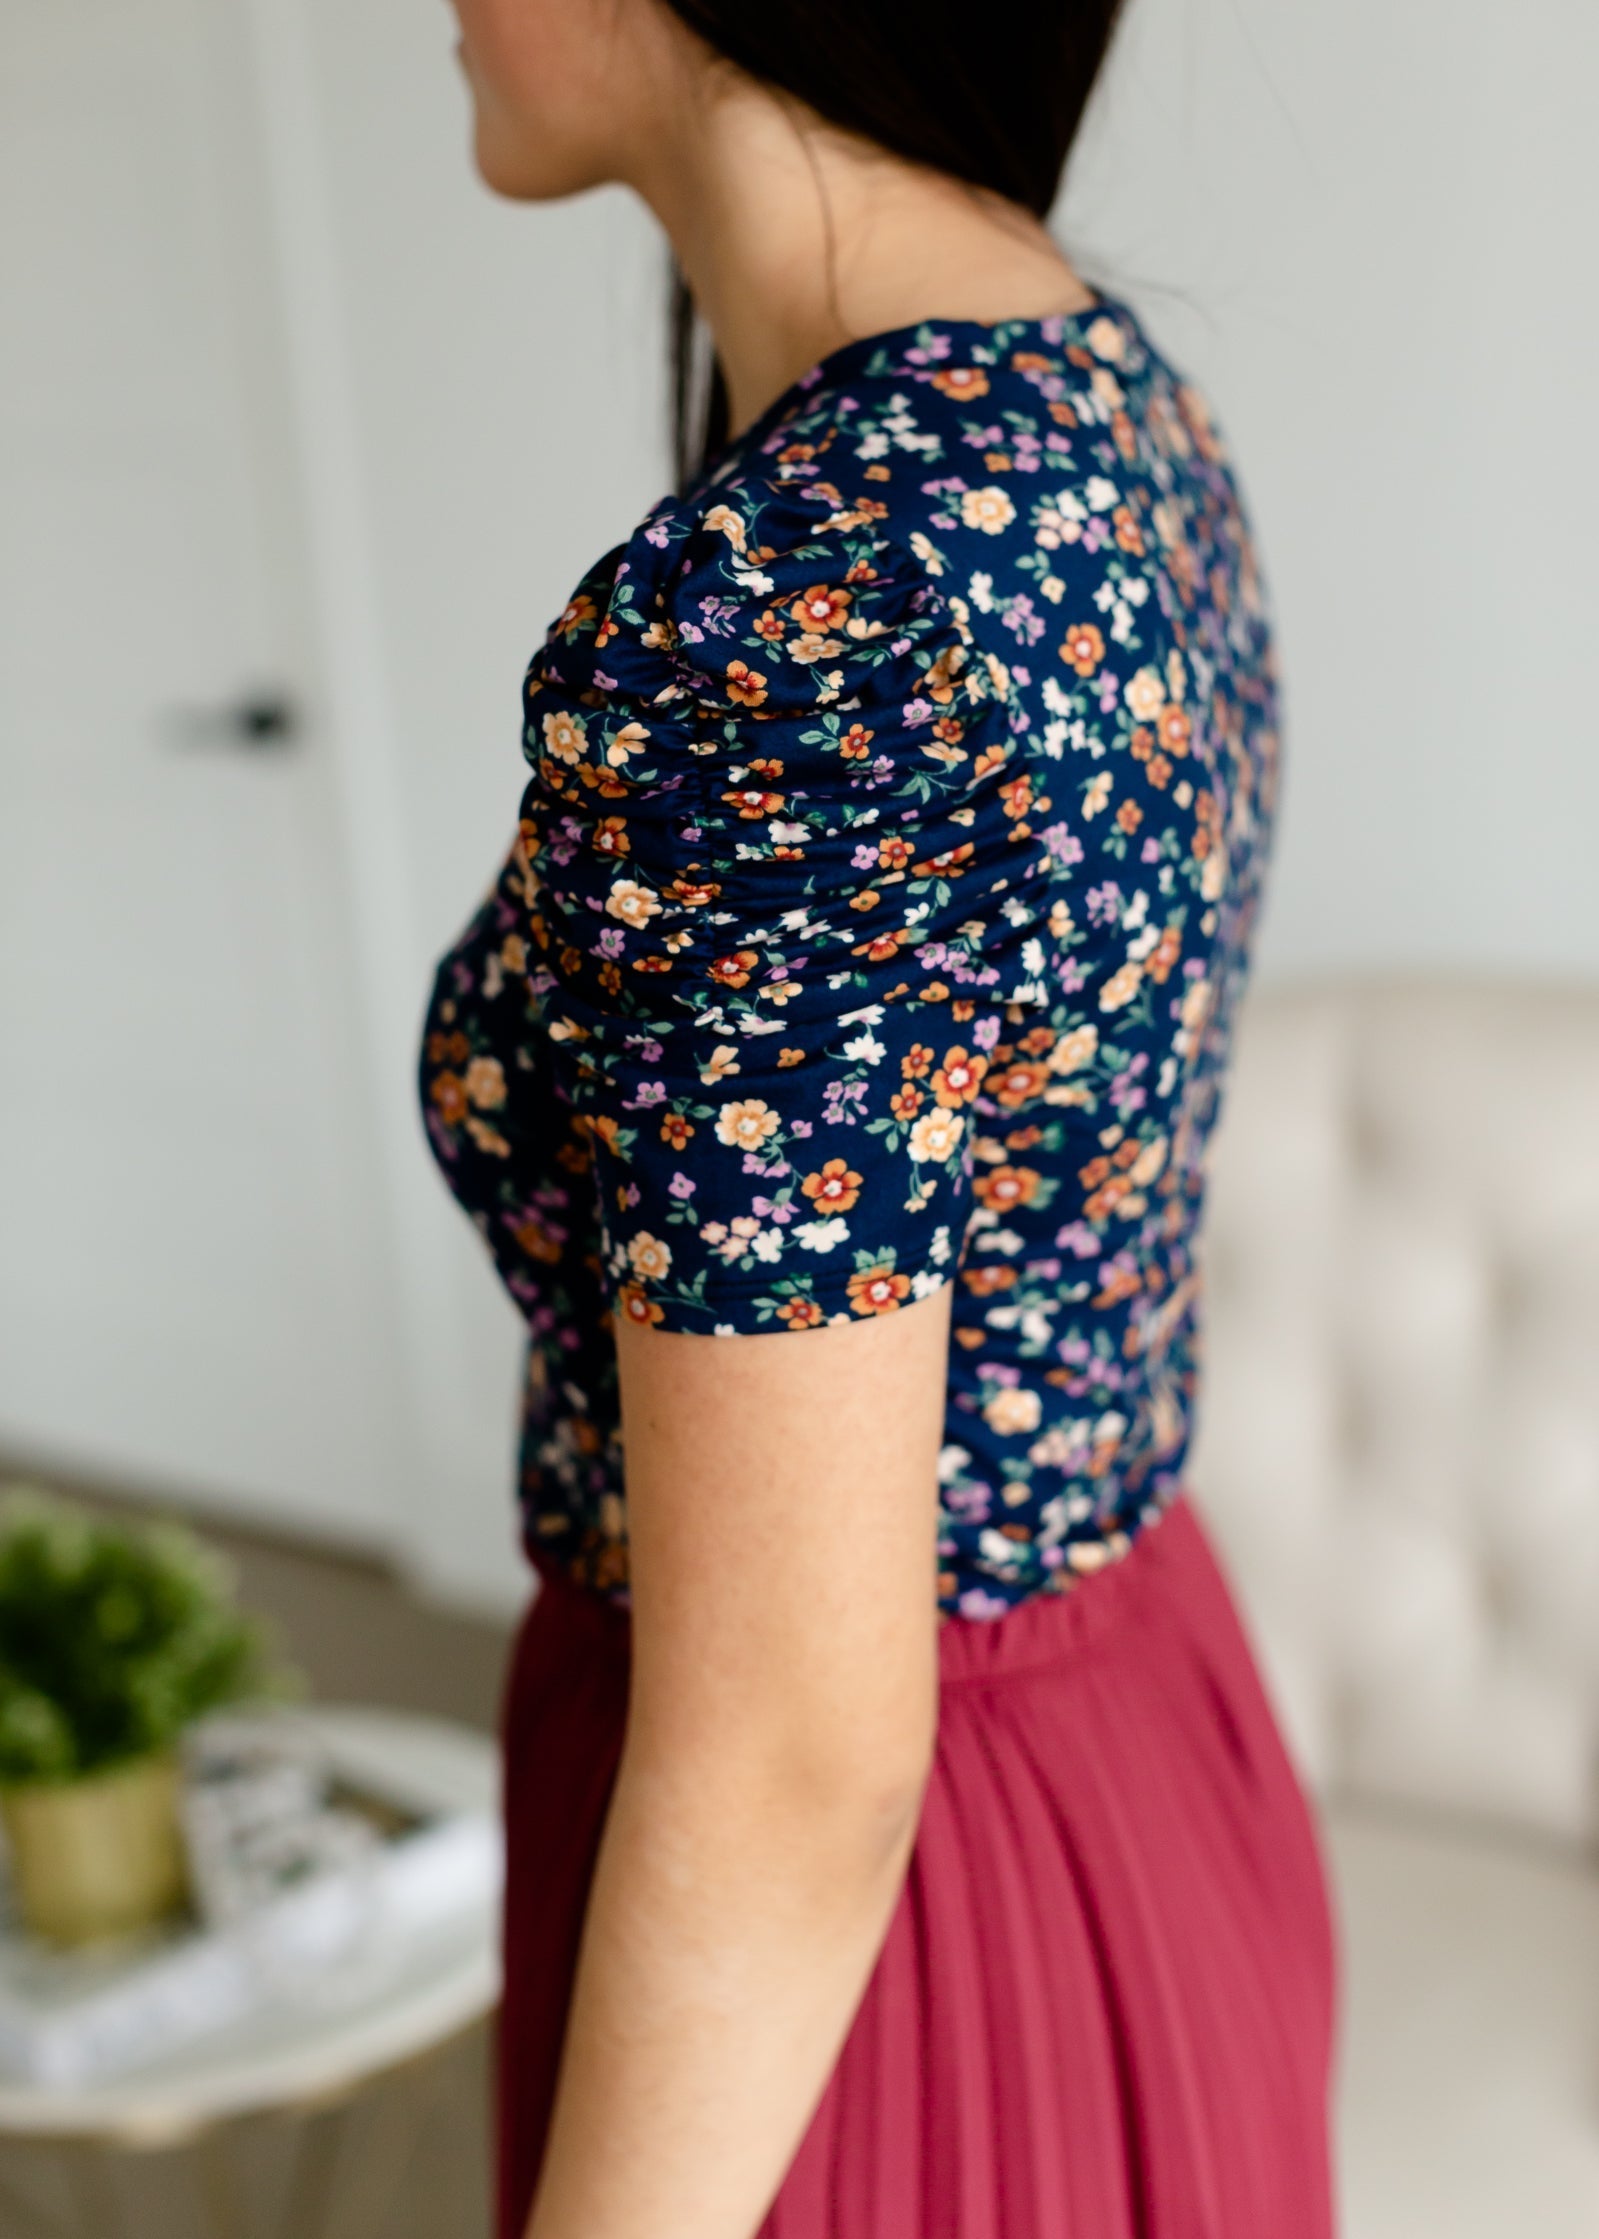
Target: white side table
[318,2052]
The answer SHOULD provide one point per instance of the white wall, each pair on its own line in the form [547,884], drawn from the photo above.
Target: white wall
[1377,222]
[1365,230]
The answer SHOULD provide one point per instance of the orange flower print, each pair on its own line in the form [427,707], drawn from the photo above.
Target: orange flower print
[751,802]
[1122,986]
[917,1062]
[623,744]
[610,835]
[676,1130]
[905,1103]
[959,1078]
[856,743]
[745,686]
[693,891]
[720,1061]
[733,970]
[565,736]
[834,1189]
[893,854]
[721,520]
[576,615]
[878,951]
[1167,949]
[1018,1084]
[950,864]
[649,1258]
[935,1137]
[1013,1411]
[485,1083]
[1123,1283]
[989,510]
[938,683]
[747,1125]
[1101,1203]
[1083,647]
[878,1290]
[633,904]
[1003,1188]
[636,1308]
[770,625]
[820,610]
[1145,694]
[801,1313]
[447,1092]
[965,381]
[1017,795]
[1175,730]
[538,1240]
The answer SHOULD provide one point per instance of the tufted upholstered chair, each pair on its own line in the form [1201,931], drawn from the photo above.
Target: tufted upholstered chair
[1398,1458]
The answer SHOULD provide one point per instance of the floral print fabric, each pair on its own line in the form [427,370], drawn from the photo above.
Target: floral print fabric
[883,891]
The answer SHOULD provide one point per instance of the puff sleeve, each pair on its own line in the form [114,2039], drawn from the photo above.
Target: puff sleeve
[786,858]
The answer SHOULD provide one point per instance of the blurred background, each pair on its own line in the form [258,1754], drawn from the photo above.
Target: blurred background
[303,441]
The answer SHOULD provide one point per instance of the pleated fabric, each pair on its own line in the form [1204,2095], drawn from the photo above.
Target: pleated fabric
[1107,2003]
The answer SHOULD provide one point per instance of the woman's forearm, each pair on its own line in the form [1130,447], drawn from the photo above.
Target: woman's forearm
[733,1921]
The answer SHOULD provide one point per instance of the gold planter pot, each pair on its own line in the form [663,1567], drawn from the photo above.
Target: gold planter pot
[100,1856]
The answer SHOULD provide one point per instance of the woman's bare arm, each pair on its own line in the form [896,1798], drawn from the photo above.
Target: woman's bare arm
[781,1507]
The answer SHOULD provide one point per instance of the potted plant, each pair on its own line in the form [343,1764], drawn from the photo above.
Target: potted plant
[114,1637]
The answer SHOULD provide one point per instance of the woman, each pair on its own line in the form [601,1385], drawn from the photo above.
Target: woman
[900,1840]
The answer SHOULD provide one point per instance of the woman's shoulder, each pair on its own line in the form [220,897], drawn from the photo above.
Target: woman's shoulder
[785,604]
[902,471]
[937,543]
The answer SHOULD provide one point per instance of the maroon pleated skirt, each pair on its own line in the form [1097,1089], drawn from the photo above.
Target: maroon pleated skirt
[1106,2004]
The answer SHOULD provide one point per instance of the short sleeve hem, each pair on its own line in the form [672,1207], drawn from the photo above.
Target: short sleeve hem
[742,1306]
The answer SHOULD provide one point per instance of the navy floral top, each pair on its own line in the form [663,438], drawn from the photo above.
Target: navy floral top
[882,897]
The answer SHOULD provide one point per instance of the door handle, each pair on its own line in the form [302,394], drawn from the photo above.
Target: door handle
[259,722]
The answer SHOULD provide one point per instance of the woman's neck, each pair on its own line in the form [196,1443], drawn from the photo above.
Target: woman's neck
[795,238]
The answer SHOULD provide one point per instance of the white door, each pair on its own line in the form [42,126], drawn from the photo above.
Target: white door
[190,1293]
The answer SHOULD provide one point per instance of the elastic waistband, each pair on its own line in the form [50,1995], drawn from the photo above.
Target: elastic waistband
[1047,1630]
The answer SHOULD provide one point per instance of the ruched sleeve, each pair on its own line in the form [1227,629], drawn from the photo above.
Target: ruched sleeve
[787,857]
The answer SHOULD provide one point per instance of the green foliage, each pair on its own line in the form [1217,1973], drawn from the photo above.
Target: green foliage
[113,1638]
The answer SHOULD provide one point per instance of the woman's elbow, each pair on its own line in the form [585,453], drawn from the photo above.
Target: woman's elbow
[804,1798]
[866,1789]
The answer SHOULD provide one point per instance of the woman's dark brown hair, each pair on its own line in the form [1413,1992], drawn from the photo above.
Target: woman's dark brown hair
[996,102]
